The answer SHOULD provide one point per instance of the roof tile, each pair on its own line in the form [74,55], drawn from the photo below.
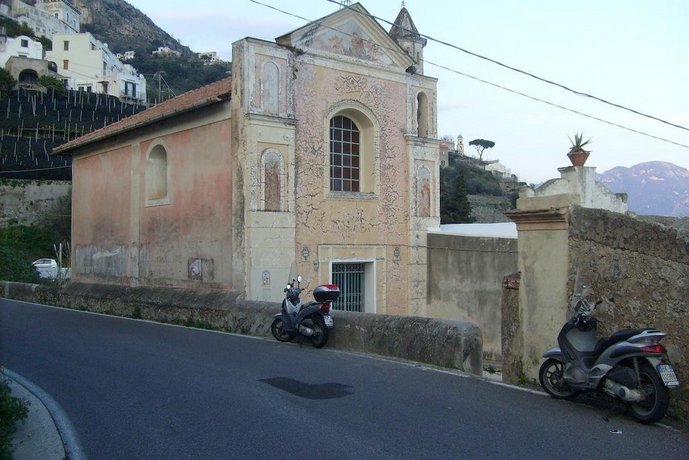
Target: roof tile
[209,94]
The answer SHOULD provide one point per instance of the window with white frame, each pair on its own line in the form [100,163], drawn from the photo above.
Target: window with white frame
[351,279]
[352,145]
[344,155]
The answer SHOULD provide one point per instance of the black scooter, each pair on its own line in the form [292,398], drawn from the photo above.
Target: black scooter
[630,365]
[311,319]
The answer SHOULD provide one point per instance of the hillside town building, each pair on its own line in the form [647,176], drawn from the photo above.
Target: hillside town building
[81,61]
[88,65]
[47,17]
[21,46]
[318,157]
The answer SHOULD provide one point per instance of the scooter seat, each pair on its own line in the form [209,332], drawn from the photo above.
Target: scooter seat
[618,336]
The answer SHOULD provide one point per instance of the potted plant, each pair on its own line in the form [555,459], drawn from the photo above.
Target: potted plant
[577,155]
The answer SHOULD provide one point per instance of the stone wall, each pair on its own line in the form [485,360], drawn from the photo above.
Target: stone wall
[645,267]
[22,202]
[452,344]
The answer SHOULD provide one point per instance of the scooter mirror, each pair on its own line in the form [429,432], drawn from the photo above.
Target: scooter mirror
[299,279]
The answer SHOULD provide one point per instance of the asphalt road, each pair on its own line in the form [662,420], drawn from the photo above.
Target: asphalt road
[135,389]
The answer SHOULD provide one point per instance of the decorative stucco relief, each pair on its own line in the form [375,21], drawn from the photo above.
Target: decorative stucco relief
[350,39]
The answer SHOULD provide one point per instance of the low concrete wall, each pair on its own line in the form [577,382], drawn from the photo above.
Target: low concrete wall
[452,344]
[465,276]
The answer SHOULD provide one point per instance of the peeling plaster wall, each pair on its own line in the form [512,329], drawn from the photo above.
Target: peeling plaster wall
[316,227]
[356,220]
[120,236]
[101,216]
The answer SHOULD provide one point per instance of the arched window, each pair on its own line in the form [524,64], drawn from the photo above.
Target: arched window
[272,181]
[352,140]
[270,89]
[344,155]
[156,174]
[422,115]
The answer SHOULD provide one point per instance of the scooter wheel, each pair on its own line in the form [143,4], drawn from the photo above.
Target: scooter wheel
[552,378]
[279,332]
[657,400]
[320,333]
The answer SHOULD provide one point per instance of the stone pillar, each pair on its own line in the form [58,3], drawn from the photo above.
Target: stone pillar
[542,219]
[544,267]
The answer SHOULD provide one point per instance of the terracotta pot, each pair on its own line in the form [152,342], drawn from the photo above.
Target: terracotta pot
[578,157]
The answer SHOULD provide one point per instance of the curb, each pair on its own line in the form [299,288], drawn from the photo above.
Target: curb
[46,433]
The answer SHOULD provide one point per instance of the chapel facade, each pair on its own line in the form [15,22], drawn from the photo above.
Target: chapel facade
[318,157]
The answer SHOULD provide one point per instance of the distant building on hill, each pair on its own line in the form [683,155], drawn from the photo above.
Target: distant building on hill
[88,65]
[165,51]
[47,17]
[210,57]
[20,46]
[126,56]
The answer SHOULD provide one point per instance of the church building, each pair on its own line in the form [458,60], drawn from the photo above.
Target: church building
[318,157]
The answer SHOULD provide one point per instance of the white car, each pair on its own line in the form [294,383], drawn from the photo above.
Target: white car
[46,268]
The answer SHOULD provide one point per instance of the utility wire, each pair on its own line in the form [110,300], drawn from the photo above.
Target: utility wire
[552,104]
[523,72]
[33,170]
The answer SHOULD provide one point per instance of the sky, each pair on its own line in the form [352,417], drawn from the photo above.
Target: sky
[632,53]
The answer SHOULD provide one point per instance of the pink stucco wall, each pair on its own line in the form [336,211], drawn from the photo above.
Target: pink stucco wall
[182,241]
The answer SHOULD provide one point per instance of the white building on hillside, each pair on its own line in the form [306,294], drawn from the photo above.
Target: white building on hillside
[89,65]
[21,46]
[164,51]
[126,56]
[48,17]
[209,57]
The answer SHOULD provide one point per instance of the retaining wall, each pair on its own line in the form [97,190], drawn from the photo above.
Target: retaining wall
[464,282]
[645,267]
[445,343]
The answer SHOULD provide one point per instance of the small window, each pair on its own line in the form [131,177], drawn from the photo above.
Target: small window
[422,115]
[65,64]
[129,89]
[66,45]
[24,43]
[93,46]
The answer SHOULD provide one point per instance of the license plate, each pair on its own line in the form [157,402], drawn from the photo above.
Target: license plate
[328,320]
[667,373]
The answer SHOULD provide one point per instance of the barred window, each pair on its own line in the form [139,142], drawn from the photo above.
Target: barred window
[351,279]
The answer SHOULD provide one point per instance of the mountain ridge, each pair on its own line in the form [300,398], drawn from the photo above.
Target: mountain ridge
[653,188]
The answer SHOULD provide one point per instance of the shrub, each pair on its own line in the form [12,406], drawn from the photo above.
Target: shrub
[7,81]
[12,411]
[19,247]
[53,83]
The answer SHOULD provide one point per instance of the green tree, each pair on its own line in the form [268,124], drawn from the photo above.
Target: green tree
[454,202]
[480,145]
[53,83]
[7,81]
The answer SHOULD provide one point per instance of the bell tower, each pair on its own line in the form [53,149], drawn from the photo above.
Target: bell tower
[404,32]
